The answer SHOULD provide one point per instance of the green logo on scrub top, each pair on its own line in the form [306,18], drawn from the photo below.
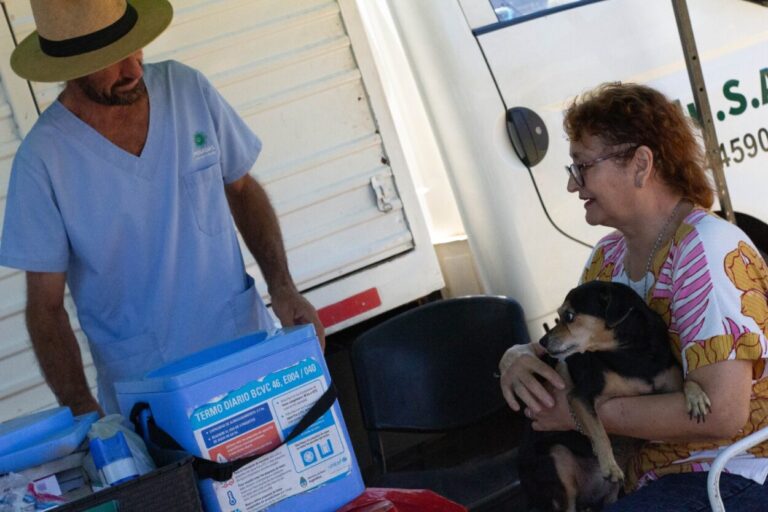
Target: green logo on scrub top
[200,139]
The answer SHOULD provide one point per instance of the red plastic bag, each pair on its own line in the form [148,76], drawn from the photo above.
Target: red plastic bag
[401,500]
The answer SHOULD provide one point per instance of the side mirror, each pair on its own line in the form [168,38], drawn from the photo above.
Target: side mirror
[528,135]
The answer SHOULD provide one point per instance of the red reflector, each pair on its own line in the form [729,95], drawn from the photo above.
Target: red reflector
[349,307]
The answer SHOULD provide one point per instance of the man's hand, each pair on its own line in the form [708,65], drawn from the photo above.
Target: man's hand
[55,344]
[258,224]
[291,308]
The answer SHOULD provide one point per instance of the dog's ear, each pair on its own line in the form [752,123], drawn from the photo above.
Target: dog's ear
[605,299]
[616,310]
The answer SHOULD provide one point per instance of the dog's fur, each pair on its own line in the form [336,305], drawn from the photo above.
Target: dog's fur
[607,343]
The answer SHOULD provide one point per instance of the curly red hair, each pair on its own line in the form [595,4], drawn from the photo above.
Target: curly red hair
[636,114]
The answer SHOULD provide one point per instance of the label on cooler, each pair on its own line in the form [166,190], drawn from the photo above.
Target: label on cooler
[258,416]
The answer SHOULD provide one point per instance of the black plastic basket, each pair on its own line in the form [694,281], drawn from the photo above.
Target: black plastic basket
[169,488]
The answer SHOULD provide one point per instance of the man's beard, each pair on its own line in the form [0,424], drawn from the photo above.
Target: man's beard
[112,98]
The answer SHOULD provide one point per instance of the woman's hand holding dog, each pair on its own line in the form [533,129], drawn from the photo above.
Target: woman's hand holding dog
[520,369]
[556,417]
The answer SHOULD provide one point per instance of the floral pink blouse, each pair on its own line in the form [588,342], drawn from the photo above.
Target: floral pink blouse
[710,285]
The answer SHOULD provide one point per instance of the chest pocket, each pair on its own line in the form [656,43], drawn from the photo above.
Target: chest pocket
[205,189]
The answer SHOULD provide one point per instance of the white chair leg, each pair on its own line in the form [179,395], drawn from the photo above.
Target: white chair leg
[713,479]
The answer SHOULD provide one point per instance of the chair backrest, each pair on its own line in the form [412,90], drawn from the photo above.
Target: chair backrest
[432,368]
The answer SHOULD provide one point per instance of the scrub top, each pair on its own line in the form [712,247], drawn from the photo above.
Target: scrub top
[148,242]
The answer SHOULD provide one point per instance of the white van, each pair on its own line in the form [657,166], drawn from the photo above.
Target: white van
[471,60]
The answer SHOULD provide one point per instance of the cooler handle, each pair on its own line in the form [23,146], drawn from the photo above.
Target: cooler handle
[159,439]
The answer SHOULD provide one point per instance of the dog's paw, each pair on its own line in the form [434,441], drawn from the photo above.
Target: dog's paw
[697,401]
[612,472]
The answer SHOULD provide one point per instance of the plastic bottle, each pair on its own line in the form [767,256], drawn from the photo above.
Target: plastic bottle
[113,459]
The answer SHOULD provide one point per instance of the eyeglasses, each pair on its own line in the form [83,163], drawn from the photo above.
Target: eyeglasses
[577,170]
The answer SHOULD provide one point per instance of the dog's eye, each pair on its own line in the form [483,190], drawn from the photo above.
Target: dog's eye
[568,317]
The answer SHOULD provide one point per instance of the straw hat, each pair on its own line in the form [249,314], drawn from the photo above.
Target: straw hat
[77,37]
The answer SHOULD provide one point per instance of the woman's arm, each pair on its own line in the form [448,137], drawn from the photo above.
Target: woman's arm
[664,417]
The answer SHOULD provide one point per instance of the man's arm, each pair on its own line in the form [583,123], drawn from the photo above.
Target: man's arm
[258,224]
[55,344]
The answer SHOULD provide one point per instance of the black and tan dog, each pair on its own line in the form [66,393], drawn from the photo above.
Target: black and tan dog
[607,343]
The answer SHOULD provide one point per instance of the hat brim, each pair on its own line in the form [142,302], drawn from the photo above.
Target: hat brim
[29,61]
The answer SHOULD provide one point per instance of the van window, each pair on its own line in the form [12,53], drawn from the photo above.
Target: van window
[510,9]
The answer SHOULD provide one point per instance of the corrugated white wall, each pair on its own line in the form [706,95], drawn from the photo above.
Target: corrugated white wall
[288,68]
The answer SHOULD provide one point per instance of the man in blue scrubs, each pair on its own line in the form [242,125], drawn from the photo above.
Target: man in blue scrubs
[125,189]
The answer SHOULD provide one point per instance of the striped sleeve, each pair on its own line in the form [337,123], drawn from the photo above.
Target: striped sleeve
[718,295]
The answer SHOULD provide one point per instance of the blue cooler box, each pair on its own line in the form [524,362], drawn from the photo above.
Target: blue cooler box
[242,397]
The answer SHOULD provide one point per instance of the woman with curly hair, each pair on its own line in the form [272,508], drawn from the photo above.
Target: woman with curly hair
[638,168]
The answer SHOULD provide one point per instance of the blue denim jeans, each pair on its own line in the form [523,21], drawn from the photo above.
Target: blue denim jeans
[687,492]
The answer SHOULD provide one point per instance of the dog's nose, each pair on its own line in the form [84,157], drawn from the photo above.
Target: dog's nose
[544,341]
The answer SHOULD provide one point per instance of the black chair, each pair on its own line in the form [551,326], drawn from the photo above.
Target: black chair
[433,369]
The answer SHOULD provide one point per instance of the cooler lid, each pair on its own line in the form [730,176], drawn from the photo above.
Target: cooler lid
[42,448]
[27,430]
[216,360]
